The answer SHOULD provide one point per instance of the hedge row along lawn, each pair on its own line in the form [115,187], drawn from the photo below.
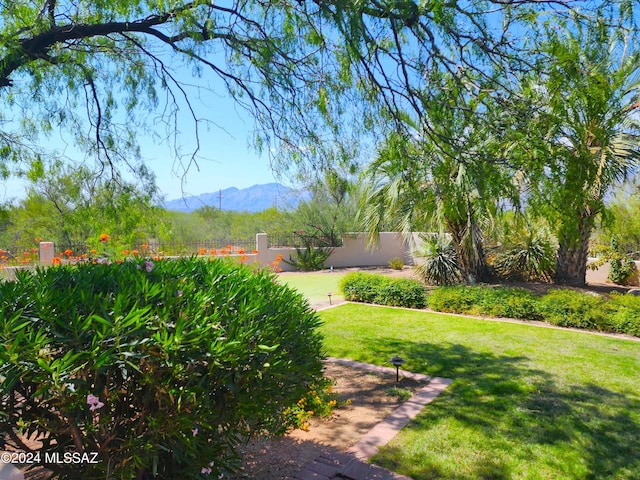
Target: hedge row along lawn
[562,307]
[527,402]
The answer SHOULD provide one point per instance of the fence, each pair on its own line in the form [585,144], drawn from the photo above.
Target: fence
[354,252]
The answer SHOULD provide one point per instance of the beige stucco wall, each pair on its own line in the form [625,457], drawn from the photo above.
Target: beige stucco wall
[354,253]
[600,275]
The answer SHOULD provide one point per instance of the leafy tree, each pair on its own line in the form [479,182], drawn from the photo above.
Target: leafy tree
[98,68]
[622,221]
[416,184]
[73,206]
[331,210]
[589,98]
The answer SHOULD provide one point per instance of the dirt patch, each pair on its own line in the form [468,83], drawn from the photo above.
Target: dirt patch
[365,400]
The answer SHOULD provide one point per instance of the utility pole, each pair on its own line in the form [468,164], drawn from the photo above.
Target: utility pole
[220,199]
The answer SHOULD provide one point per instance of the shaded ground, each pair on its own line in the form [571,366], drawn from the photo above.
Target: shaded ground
[369,402]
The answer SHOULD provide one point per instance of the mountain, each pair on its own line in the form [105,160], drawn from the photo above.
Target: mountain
[252,199]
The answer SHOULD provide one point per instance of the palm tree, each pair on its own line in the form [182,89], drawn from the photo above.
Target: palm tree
[590,99]
[413,184]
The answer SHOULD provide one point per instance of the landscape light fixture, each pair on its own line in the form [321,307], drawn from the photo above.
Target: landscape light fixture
[397,362]
[329,295]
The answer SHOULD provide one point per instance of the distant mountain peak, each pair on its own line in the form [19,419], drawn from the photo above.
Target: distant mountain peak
[252,199]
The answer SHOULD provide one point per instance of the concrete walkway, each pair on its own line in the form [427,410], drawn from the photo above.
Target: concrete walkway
[352,465]
[10,472]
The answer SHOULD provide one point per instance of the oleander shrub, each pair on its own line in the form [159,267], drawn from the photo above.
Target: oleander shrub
[569,308]
[383,290]
[162,368]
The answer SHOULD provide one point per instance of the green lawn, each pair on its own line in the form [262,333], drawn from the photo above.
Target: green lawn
[526,402]
[315,286]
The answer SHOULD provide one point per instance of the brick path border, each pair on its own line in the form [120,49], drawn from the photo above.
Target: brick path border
[353,464]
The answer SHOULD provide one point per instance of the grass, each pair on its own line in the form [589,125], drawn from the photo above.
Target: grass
[315,286]
[526,402]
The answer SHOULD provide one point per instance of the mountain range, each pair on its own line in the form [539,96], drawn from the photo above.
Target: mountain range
[252,199]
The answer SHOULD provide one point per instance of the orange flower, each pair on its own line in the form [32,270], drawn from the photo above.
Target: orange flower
[243,258]
[229,247]
[144,246]
[255,252]
[104,237]
[223,252]
[68,252]
[241,251]
[203,251]
[125,252]
[135,252]
[213,251]
[38,239]
[93,251]
[55,261]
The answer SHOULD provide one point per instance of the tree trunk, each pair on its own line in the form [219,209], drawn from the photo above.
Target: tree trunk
[467,241]
[573,252]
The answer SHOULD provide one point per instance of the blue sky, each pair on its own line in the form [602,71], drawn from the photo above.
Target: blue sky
[225,159]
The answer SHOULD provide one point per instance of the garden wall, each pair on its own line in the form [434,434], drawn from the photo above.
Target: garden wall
[353,253]
[601,273]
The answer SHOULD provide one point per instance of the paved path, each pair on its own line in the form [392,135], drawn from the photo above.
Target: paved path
[9,472]
[352,465]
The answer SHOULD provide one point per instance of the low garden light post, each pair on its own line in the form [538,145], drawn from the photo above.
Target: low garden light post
[397,362]
[329,295]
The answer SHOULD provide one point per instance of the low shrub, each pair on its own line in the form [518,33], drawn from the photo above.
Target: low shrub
[161,368]
[569,308]
[510,302]
[373,288]
[626,318]
[456,299]
[440,264]
[532,258]
[360,286]
[396,263]
[480,300]
[401,292]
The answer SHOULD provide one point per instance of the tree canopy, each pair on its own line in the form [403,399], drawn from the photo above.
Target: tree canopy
[300,67]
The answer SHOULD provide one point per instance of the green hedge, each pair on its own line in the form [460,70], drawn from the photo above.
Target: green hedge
[562,307]
[160,367]
[383,290]
[568,308]
[478,300]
